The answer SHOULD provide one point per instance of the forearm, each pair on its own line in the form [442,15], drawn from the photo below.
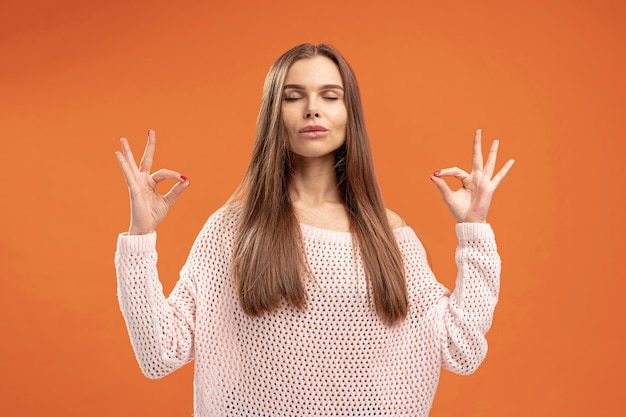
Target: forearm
[160,333]
[468,313]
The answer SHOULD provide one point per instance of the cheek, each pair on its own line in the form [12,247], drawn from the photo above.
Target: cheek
[288,117]
[342,114]
[342,118]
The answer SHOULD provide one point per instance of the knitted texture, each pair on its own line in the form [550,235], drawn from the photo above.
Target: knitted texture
[336,357]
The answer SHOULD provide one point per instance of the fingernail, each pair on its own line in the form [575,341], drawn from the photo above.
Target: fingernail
[436,173]
[185,179]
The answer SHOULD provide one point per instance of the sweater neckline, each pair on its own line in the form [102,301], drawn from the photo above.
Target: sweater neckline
[337,236]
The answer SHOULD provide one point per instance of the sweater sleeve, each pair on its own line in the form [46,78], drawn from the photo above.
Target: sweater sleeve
[467,313]
[161,329]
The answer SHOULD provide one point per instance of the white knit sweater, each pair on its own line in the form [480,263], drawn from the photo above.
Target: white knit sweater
[336,358]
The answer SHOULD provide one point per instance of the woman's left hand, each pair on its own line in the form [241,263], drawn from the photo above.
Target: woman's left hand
[470,203]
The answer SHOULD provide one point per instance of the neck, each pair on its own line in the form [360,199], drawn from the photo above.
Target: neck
[314,181]
[315,196]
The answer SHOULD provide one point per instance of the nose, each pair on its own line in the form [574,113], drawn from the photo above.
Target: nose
[312,112]
[311,115]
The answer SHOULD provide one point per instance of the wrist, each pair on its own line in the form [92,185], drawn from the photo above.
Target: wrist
[135,231]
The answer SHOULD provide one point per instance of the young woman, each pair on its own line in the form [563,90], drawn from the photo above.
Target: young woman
[303,295]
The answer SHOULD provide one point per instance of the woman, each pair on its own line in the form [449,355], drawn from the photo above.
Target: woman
[303,295]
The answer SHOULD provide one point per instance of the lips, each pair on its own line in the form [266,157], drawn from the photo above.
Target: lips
[314,128]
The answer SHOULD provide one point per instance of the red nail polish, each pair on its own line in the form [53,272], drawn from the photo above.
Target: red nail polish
[185,179]
[436,173]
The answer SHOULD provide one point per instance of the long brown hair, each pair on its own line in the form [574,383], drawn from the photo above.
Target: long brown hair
[268,260]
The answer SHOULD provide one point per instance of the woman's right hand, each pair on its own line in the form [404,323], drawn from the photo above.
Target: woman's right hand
[148,207]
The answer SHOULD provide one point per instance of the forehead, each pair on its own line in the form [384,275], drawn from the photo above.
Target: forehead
[317,70]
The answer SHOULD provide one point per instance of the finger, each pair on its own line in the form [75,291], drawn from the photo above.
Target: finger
[167,174]
[491,159]
[173,194]
[128,155]
[477,156]
[146,160]
[455,172]
[502,173]
[128,172]
[442,186]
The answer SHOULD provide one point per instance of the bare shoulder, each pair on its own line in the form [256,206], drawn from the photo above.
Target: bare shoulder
[395,221]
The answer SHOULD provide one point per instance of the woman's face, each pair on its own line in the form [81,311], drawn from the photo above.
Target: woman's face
[313,108]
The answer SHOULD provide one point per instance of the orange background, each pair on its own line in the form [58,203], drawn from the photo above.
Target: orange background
[545,77]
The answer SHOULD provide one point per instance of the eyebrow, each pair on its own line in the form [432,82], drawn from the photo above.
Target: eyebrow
[322,87]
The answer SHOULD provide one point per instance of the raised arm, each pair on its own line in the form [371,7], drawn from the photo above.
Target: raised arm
[161,329]
[467,313]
